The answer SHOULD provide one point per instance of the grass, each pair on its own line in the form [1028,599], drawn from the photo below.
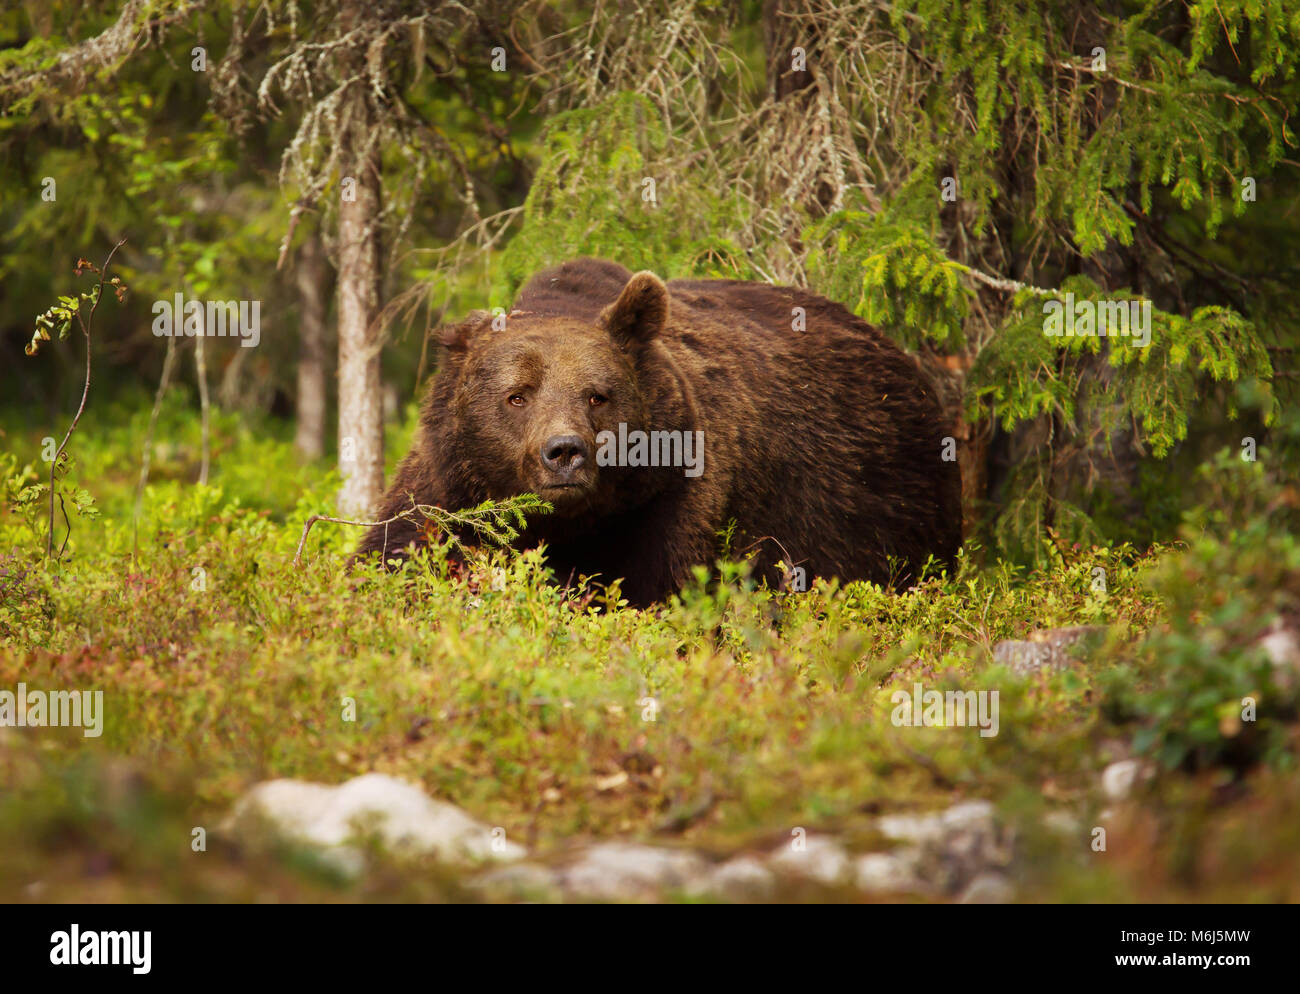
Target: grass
[722,720]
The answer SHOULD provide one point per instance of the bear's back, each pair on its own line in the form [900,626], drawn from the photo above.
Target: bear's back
[784,312]
[781,317]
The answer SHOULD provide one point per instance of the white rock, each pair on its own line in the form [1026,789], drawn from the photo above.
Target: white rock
[1119,779]
[522,881]
[1051,649]
[950,847]
[887,873]
[741,879]
[969,816]
[821,859]
[400,814]
[965,817]
[988,888]
[911,828]
[623,871]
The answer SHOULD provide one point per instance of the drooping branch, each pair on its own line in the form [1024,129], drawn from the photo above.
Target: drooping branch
[498,521]
[140,23]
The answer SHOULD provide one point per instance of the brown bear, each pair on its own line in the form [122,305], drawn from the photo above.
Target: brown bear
[656,418]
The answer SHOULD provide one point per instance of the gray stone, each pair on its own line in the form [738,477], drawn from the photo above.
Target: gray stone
[969,816]
[519,882]
[889,872]
[962,818]
[820,859]
[911,828]
[400,815]
[1047,650]
[988,888]
[623,871]
[740,880]
[949,848]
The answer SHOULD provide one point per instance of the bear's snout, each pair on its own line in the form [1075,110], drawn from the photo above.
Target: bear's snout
[564,455]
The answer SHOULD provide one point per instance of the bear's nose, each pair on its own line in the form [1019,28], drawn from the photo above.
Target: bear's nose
[564,454]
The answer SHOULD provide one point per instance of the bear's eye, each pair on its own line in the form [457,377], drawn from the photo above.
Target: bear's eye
[516,400]
[595,400]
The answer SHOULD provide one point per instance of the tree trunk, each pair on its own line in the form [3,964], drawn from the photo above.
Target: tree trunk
[201,371]
[361,422]
[311,277]
[781,35]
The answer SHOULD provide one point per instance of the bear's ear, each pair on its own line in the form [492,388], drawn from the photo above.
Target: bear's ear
[458,336]
[640,312]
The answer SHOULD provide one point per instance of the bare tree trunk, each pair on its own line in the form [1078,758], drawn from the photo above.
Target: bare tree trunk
[781,36]
[361,422]
[201,369]
[311,278]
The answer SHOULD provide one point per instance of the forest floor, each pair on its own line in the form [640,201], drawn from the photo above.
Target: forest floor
[727,722]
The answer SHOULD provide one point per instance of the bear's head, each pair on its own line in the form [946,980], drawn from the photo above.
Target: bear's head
[533,393]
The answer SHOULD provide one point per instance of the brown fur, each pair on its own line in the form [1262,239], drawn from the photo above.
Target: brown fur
[823,445]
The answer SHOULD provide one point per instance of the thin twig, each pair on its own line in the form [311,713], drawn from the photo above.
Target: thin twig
[1002,283]
[297,556]
[490,519]
[1108,75]
[85,330]
[67,524]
